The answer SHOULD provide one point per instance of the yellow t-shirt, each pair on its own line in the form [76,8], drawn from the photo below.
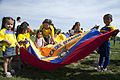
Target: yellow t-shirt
[47,32]
[27,35]
[2,34]
[107,28]
[23,37]
[7,35]
[12,39]
[60,38]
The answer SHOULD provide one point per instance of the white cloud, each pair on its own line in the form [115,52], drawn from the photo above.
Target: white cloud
[63,13]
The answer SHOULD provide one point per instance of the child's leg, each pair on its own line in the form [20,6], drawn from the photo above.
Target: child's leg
[107,55]
[5,65]
[106,62]
[101,58]
[9,64]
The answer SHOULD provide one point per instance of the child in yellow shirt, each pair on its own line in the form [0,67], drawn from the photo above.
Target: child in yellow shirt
[23,37]
[9,41]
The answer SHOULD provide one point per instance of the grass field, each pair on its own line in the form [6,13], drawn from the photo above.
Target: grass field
[83,70]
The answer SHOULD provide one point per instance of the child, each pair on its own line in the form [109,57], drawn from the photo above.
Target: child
[23,36]
[48,31]
[76,28]
[104,49]
[9,43]
[39,41]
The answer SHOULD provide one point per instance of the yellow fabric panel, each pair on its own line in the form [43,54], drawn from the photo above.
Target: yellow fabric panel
[68,43]
[49,47]
[50,58]
[60,37]
[38,53]
[81,31]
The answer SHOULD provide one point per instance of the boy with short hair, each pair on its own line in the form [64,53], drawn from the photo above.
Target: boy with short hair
[104,49]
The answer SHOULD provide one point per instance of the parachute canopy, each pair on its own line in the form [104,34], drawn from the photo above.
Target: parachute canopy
[71,50]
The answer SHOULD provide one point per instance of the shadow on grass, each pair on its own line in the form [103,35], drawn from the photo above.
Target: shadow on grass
[66,73]
[115,62]
[93,62]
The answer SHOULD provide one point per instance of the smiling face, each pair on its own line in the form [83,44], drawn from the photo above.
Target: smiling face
[9,24]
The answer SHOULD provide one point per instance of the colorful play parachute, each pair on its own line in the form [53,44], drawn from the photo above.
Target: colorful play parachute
[71,50]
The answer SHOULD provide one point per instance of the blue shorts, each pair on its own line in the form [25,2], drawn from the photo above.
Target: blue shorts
[9,52]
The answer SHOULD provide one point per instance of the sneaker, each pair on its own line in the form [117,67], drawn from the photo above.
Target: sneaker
[98,68]
[8,74]
[12,71]
[104,69]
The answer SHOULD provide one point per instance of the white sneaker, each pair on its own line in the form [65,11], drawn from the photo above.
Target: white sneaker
[8,74]
[98,68]
[104,69]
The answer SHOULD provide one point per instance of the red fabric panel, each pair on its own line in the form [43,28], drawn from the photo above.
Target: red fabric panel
[35,62]
[87,47]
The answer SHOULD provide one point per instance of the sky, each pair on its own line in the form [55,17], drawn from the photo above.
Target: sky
[63,13]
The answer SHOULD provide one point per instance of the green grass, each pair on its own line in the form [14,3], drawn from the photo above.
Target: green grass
[83,70]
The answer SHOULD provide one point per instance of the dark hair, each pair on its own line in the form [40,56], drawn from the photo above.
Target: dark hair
[38,32]
[24,24]
[18,18]
[75,25]
[49,21]
[4,21]
[107,16]
[58,31]
[22,27]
